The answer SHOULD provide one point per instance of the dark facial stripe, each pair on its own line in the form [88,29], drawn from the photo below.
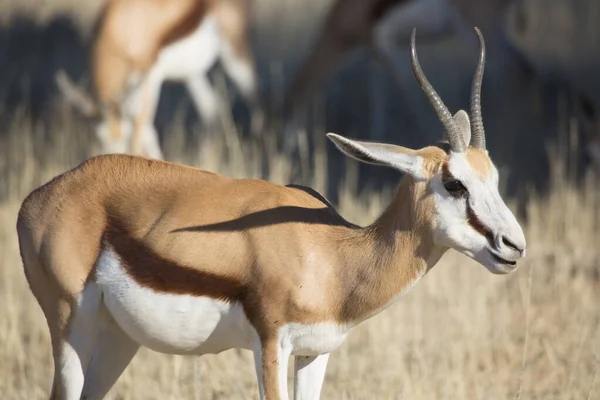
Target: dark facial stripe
[154,272]
[476,224]
[472,218]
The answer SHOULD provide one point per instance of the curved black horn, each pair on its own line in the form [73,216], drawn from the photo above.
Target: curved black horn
[477,131]
[454,135]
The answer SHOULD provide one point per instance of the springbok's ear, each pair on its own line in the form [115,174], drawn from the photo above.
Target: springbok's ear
[461,118]
[401,158]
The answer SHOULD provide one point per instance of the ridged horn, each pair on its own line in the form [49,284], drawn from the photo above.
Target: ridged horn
[477,131]
[454,135]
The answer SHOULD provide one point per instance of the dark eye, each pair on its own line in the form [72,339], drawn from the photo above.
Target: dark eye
[455,187]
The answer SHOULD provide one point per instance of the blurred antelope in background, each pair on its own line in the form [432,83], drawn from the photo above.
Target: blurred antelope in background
[138,44]
[382,24]
[564,54]
[123,252]
[532,40]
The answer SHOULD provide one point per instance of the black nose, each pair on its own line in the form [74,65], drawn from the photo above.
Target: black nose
[506,241]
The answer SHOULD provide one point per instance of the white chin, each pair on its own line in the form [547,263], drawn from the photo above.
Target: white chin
[484,257]
[497,267]
[493,265]
[500,269]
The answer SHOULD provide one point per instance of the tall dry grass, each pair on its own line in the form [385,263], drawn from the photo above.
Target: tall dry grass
[462,333]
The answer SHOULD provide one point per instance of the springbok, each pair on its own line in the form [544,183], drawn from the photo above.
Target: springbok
[382,24]
[138,44]
[125,251]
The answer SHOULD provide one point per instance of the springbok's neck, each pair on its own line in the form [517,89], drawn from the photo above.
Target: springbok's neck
[391,255]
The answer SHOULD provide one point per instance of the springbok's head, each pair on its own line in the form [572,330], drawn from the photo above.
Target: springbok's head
[468,213]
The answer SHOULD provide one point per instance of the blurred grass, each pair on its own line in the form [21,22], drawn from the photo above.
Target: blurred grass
[462,333]
[39,37]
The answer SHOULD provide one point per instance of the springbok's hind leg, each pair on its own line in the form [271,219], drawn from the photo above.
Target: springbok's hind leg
[73,343]
[113,352]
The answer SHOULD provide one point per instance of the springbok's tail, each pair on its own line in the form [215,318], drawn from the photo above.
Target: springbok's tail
[75,95]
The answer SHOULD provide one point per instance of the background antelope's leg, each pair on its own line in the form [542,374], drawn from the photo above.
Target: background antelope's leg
[239,65]
[271,361]
[112,131]
[140,98]
[237,59]
[113,351]
[150,143]
[205,100]
[143,100]
[309,373]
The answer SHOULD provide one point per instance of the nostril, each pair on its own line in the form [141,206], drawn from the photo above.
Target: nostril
[510,244]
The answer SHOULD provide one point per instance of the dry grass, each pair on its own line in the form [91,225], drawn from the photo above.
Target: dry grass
[462,333]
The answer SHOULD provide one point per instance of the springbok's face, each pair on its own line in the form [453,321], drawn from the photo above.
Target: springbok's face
[471,216]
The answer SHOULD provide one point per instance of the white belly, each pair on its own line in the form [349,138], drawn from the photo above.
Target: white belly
[185,324]
[195,54]
[171,323]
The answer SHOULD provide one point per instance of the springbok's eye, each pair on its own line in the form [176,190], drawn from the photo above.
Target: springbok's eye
[455,188]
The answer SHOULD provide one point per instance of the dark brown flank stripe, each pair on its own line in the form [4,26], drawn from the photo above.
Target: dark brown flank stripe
[187,25]
[472,218]
[154,272]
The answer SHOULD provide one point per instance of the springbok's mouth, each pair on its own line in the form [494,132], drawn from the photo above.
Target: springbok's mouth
[502,260]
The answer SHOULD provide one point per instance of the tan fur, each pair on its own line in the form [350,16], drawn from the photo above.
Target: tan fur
[479,161]
[131,34]
[283,252]
[140,119]
[433,158]
[233,21]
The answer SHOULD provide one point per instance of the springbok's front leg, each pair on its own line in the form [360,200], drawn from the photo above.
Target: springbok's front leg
[309,373]
[271,361]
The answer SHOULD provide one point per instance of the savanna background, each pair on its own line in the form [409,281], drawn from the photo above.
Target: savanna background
[461,333]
